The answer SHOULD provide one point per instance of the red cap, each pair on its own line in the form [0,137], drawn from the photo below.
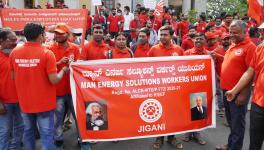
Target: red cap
[62,28]
[211,35]
[218,33]
[225,35]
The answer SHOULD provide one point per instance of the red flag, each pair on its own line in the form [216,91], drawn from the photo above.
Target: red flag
[255,10]
[159,9]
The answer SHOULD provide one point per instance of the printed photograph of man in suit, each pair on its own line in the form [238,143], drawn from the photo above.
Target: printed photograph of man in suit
[95,119]
[199,111]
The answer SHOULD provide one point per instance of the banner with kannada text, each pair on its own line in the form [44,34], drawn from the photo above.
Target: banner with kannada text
[17,18]
[122,99]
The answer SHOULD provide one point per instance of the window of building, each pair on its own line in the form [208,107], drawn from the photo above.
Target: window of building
[192,4]
[29,4]
[109,3]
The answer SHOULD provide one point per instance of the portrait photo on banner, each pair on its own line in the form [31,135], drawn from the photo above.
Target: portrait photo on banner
[96,115]
[198,106]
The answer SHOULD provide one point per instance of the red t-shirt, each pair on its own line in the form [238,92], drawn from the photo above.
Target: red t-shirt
[113,23]
[220,29]
[142,50]
[226,26]
[117,53]
[99,19]
[256,41]
[162,50]
[156,24]
[8,92]
[184,27]
[187,43]
[167,16]
[236,62]
[32,63]
[111,43]
[201,26]
[257,65]
[218,63]
[211,48]
[89,22]
[143,18]
[94,51]
[134,24]
[73,53]
[196,51]
[211,23]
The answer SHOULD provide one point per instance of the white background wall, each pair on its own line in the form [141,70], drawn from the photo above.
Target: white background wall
[16,3]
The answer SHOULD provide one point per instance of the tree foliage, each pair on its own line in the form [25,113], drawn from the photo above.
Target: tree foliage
[215,7]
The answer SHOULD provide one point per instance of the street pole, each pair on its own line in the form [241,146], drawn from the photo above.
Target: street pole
[262,15]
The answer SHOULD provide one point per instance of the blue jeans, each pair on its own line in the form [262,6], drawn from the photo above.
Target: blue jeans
[11,124]
[45,122]
[235,116]
[59,115]
[62,101]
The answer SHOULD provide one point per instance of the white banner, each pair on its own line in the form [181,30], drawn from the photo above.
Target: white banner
[151,4]
[97,2]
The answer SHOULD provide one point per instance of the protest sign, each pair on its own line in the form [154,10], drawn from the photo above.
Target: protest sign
[144,97]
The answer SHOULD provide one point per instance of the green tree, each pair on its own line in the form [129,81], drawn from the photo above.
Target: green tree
[215,7]
[192,15]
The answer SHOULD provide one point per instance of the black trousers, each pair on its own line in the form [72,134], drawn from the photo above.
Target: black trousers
[256,127]
[170,137]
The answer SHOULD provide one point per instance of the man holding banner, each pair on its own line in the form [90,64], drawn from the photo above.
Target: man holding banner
[166,48]
[65,52]
[198,112]
[35,73]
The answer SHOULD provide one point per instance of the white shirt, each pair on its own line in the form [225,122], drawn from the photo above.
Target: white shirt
[153,38]
[128,19]
[201,109]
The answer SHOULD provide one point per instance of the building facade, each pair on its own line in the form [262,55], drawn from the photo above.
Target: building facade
[179,5]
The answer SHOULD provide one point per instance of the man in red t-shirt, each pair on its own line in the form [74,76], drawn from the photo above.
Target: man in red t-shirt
[218,25]
[120,50]
[156,23]
[212,41]
[255,70]
[166,48]
[218,56]
[227,21]
[34,70]
[236,61]
[11,124]
[96,48]
[113,23]
[142,47]
[143,16]
[134,26]
[65,52]
[201,24]
[198,49]
[187,43]
[89,25]
[183,26]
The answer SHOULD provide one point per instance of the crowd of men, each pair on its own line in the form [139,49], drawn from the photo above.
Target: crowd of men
[34,69]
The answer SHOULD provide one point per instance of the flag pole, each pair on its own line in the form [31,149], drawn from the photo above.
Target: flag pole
[262,12]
